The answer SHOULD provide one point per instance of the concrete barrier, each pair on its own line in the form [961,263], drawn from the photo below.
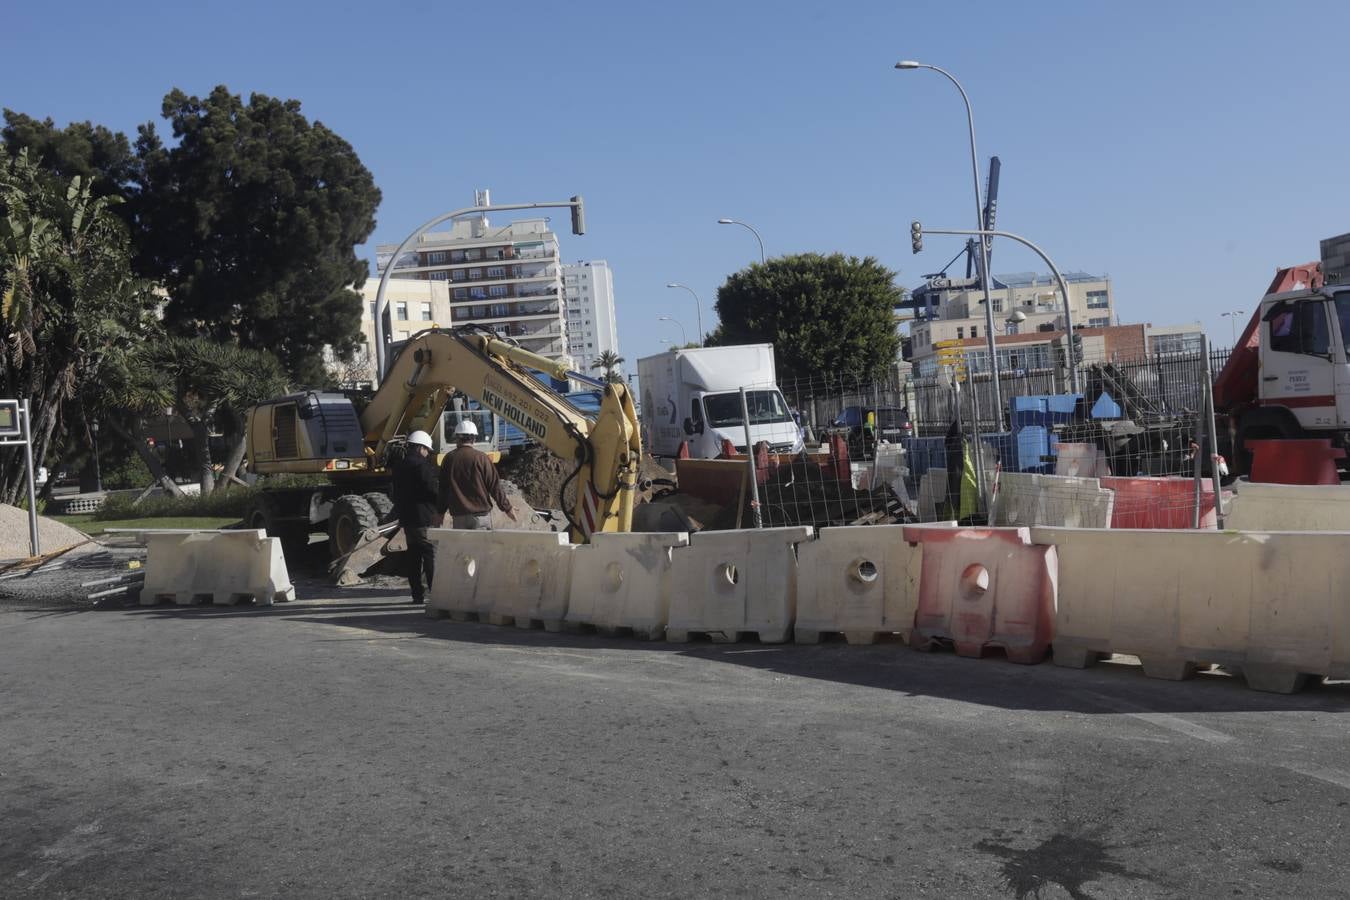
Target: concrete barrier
[501,577]
[726,583]
[1288,507]
[224,567]
[983,587]
[858,582]
[1031,499]
[1270,604]
[623,581]
[932,493]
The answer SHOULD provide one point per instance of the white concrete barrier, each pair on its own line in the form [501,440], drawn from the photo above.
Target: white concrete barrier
[1288,507]
[1027,498]
[731,582]
[501,577]
[1270,604]
[932,494]
[224,567]
[858,582]
[1080,460]
[624,581]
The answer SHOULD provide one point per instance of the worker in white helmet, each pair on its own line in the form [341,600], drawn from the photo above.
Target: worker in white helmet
[469,482]
[416,495]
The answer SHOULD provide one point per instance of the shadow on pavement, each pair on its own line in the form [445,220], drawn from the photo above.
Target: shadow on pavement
[1108,688]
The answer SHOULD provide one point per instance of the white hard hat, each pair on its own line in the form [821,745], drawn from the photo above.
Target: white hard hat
[420,438]
[467,428]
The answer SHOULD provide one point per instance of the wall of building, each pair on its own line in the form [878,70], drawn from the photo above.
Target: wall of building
[588,294]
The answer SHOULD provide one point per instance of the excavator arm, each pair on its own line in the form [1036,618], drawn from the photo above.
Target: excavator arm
[436,363]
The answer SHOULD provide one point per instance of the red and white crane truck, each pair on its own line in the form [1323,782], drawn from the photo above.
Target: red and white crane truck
[1289,375]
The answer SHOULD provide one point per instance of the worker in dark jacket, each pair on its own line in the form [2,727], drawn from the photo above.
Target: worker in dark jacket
[415,491]
[469,483]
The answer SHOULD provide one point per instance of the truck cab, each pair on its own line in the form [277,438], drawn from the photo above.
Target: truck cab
[1304,366]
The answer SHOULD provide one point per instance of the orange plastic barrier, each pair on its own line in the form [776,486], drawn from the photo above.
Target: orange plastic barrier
[983,587]
[1310,461]
[1160,503]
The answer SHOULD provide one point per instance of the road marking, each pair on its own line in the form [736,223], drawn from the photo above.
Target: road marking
[1162,720]
[1321,773]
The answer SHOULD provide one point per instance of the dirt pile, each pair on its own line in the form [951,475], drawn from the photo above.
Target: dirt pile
[539,475]
[14,534]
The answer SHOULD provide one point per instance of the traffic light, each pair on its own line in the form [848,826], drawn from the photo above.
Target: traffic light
[578,216]
[916,235]
[1077,347]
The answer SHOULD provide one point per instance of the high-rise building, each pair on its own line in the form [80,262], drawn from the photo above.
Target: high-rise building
[588,291]
[506,278]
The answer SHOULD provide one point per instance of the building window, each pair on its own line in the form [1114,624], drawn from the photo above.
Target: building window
[1188,343]
[998,304]
[401,311]
[478,293]
[1100,323]
[478,311]
[438,276]
[496,271]
[435,257]
[457,275]
[974,331]
[461,293]
[497,290]
[457,256]
[426,312]
[500,311]
[475,253]
[1098,300]
[475,274]
[960,333]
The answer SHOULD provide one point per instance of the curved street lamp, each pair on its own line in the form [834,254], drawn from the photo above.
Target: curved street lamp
[698,304]
[979,225]
[752,231]
[683,334]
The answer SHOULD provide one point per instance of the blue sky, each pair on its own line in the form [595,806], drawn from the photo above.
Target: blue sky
[1187,150]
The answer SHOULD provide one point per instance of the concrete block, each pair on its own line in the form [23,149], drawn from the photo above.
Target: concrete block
[501,577]
[983,587]
[731,582]
[1160,503]
[624,581]
[1289,507]
[220,567]
[858,582]
[1270,604]
[1029,499]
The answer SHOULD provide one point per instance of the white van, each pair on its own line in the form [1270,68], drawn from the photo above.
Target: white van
[694,395]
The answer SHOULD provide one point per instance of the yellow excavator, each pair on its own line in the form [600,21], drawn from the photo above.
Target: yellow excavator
[315,433]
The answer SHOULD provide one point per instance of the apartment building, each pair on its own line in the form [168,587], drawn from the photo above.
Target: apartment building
[588,294]
[506,278]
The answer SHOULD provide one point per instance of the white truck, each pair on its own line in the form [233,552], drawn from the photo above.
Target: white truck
[694,395]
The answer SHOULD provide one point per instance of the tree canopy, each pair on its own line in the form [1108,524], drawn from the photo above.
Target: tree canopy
[251,221]
[830,313]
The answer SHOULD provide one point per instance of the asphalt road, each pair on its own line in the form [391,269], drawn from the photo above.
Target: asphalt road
[356,748]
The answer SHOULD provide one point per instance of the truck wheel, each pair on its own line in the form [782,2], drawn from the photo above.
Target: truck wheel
[352,516]
[382,504]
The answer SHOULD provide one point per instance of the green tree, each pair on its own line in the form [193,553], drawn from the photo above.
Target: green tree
[102,158]
[251,220]
[208,384]
[831,313]
[610,362]
[68,301]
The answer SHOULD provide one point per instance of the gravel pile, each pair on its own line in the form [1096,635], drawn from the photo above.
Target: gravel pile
[60,582]
[53,535]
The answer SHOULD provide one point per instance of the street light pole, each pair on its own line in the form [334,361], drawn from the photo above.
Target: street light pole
[1063,287]
[1232,318]
[752,231]
[98,474]
[578,227]
[683,333]
[698,305]
[979,224]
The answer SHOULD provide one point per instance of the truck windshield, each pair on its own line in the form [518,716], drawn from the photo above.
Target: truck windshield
[1343,317]
[766,408]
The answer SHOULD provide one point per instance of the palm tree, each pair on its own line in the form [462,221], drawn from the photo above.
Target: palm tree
[609,361]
